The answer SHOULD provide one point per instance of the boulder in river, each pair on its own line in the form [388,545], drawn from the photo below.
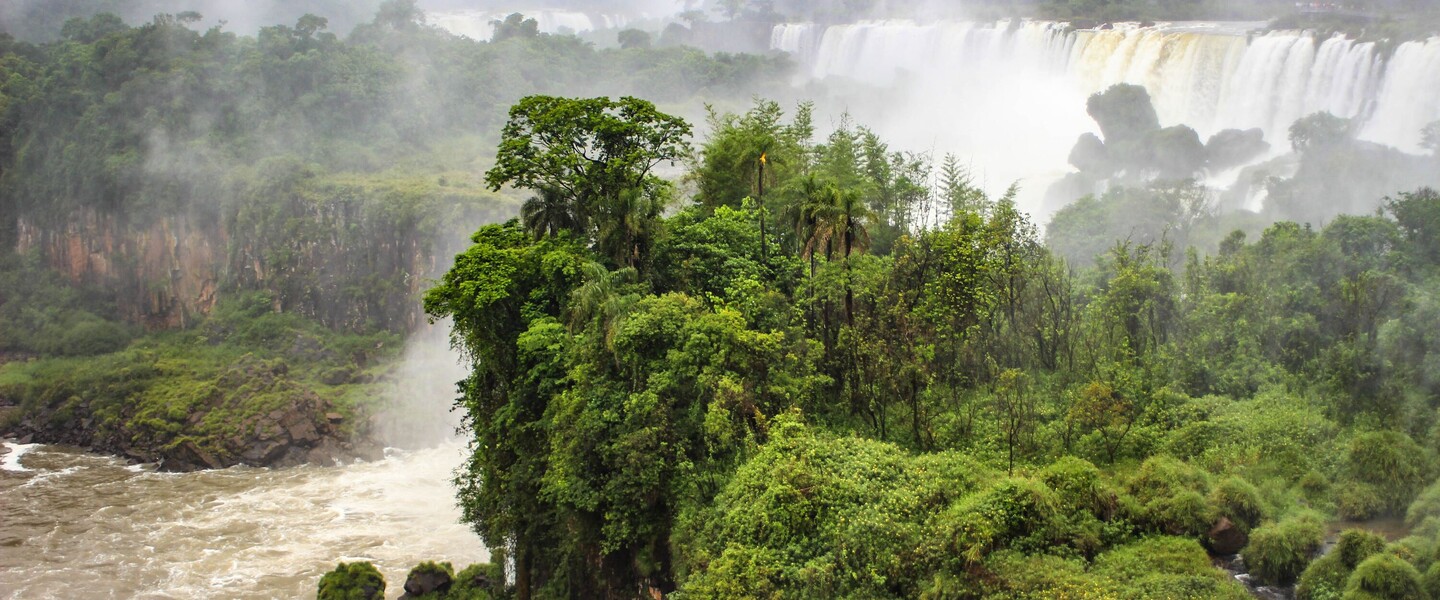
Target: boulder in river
[1225,538]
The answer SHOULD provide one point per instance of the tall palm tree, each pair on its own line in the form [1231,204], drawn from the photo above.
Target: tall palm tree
[605,295]
[807,194]
[549,213]
[843,225]
[627,225]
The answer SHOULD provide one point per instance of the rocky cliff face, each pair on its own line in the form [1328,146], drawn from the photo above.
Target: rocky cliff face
[350,255]
[165,273]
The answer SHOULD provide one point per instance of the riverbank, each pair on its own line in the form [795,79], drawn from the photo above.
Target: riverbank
[249,386]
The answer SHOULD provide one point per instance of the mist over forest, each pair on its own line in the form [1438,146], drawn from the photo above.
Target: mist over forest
[720,299]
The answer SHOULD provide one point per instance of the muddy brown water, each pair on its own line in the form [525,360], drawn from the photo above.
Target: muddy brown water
[78,525]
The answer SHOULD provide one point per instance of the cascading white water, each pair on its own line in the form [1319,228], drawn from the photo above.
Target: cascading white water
[1410,94]
[1207,76]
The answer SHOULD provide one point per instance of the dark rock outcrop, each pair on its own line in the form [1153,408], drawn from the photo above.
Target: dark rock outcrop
[1226,538]
[419,584]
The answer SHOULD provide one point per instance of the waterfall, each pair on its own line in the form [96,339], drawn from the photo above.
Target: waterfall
[1208,76]
[1410,95]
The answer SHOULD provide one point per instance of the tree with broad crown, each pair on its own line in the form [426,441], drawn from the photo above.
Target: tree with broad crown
[588,150]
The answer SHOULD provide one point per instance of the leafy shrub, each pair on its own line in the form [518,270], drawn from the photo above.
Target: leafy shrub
[1313,484]
[1017,575]
[1079,486]
[813,513]
[477,582]
[1240,501]
[1279,552]
[1425,506]
[1392,463]
[1384,576]
[1325,578]
[1431,581]
[352,581]
[1014,512]
[1195,438]
[1168,568]
[1358,502]
[92,336]
[1356,545]
[1171,494]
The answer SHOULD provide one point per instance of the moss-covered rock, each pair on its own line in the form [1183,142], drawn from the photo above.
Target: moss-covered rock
[480,581]
[352,581]
[430,580]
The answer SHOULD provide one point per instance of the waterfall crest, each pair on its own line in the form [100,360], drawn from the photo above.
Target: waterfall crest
[1208,76]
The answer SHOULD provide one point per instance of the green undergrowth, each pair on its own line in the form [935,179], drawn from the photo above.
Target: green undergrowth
[819,515]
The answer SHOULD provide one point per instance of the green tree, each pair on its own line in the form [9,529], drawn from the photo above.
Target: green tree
[1319,130]
[633,38]
[513,26]
[549,213]
[504,296]
[843,224]
[594,152]
[750,154]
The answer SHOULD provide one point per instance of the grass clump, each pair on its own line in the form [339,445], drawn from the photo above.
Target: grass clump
[1384,576]
[1325,579]
[1279,552]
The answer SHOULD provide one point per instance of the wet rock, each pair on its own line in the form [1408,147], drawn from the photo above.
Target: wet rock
[327,453]
[188,456]
[264,452]
[1226,538]
[303,433]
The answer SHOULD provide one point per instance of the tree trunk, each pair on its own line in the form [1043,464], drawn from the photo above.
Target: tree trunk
[760,208]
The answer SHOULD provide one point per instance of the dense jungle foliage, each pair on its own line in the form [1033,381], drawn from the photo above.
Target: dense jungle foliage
[794,383]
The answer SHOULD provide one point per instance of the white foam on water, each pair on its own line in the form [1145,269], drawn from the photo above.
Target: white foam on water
[11,460]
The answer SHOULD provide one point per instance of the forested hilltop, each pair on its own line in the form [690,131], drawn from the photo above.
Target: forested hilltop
[822,375]
[187,212]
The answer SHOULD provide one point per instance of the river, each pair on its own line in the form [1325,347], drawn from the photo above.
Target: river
[78,525]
